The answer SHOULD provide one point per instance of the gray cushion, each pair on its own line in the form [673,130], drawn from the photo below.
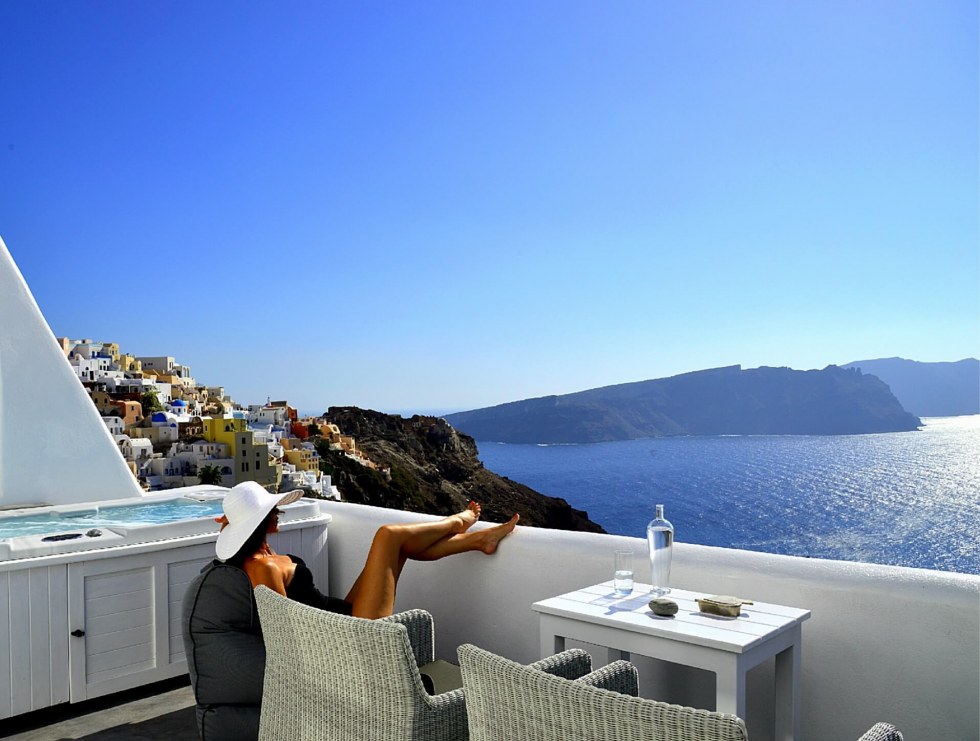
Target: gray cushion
[442,676]
[225,652]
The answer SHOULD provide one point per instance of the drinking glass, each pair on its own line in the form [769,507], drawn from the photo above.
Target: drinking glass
[623,573]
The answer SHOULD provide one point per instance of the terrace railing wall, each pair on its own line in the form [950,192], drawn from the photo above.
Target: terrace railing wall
[883,643]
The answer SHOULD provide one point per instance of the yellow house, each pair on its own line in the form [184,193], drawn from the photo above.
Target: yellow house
[303,459]
[164,377]
[329,431]
[129,363]
[104,402]
[112,350]
[252,461]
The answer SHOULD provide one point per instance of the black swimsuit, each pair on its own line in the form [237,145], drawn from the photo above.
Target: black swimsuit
[302,589]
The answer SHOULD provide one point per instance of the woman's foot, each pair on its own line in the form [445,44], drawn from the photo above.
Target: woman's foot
[468,516]
[491,537]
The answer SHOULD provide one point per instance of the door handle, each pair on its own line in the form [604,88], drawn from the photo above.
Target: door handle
[78,633]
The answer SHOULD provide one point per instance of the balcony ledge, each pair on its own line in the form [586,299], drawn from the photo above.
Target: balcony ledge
[883,642]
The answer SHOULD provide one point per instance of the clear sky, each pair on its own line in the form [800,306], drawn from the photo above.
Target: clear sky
[446,205]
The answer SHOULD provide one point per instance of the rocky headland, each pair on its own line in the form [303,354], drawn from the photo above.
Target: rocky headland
[929,389]
[425,465]
[719,401]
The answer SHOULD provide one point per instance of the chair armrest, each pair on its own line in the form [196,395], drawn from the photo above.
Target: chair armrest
[421,633]
[619,676]
[446,700]
[882,732]
[446,719]
[570,664]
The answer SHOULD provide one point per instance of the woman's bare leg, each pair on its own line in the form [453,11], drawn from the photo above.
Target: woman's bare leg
[373,593]
[485,540]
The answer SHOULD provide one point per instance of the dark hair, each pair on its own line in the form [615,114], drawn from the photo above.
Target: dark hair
[253,542]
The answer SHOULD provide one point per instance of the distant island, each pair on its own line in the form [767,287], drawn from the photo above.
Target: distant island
[929,389]
[718,401]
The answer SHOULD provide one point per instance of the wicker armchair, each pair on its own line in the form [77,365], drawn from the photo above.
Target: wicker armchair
[331,677]
[509,700]
[882,732]
[506,700]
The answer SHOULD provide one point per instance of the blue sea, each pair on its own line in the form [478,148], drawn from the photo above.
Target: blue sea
[904,498]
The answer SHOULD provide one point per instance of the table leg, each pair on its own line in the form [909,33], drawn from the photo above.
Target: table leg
[614,654]
[551,642]
[730,691]
[787,697]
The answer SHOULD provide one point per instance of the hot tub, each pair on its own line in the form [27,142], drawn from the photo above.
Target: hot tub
[39,531]
[91,594]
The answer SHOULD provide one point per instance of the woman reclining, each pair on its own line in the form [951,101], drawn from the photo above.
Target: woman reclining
[250,514]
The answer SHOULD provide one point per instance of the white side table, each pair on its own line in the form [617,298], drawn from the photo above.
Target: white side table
[729,647]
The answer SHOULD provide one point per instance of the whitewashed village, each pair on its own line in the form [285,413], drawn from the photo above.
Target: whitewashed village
[175,432]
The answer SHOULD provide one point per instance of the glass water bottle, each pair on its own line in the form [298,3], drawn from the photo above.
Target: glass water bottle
[660,541]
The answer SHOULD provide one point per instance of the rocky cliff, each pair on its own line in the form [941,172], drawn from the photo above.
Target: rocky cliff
[719,401]
[929,389]
[433,469]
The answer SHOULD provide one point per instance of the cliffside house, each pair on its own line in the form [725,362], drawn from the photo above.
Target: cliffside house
[252,461]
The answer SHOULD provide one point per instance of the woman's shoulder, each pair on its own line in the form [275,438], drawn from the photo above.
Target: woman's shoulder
[268,563]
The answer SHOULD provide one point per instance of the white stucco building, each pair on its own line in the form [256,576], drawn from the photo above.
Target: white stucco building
[115,424]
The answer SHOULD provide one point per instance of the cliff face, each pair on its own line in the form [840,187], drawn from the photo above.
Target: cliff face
[436,470]
[720,401]
[929,389]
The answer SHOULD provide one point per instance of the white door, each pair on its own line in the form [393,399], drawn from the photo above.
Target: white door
[124,619]
[33,638]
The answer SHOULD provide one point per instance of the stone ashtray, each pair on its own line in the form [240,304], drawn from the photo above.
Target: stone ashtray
[663,607]
[722,605]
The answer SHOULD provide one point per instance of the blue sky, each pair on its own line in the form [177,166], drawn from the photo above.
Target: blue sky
[440,206]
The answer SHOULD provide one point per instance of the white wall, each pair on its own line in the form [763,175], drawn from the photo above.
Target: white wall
[883,643]
[66,432]
[115,425]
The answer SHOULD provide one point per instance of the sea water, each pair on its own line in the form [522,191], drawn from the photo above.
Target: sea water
[904,498]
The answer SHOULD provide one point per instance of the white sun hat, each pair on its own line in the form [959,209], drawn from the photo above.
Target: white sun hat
[245,506]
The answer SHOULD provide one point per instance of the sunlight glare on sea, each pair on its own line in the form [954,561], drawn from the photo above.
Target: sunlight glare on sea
[904,498]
